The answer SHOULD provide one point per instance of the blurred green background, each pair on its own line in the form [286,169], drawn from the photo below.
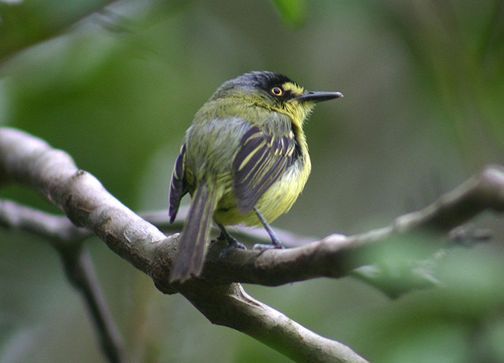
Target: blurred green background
[423,111]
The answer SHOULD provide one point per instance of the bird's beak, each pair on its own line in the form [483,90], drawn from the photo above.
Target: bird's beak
[312,96]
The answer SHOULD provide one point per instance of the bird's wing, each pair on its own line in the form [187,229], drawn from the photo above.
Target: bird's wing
[260,161]
[178,187]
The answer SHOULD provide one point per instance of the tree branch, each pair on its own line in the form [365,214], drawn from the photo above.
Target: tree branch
[337,255]
[78,266]
[30,161]
[230,306]
[80,272]
[59,229]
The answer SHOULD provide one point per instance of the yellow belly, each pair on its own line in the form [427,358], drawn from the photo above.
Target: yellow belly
[277,200]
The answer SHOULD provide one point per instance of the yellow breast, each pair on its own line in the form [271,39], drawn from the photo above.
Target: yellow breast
[281,196]
[277,200]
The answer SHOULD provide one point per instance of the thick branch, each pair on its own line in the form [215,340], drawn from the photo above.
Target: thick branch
[334,256]
[30,161]
[338,256]
[230,306]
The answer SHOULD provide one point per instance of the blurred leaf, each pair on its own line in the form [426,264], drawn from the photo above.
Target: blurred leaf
[26,23]
[473,277]
[293,12]
[436,342]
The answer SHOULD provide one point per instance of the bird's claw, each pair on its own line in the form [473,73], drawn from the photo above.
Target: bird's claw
[264,247]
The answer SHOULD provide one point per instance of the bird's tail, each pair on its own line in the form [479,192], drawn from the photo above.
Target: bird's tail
[195,234]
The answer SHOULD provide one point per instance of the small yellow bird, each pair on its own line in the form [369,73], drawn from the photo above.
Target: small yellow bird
[244,160]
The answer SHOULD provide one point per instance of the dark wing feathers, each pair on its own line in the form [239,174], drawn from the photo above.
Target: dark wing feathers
[260,161]
[178,187]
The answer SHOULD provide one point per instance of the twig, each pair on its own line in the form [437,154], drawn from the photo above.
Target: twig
[59,230]
[80,272]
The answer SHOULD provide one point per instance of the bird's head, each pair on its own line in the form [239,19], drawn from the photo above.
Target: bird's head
[275,92]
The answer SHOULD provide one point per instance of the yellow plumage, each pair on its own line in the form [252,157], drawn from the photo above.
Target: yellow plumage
[245,160]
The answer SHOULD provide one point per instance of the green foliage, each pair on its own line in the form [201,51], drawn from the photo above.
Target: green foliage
[293,12]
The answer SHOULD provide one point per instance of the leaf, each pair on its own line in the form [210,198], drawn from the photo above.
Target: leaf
[293,12]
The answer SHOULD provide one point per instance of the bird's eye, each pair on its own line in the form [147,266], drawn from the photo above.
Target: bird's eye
[277,91]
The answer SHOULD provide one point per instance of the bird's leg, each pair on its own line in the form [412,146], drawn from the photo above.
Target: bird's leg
[232,242]
[275,242]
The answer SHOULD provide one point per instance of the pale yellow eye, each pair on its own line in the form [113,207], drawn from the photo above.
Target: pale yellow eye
[277,91]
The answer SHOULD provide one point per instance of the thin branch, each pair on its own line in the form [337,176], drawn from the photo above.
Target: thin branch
[79,269]
[59,229]
[289,239]
[80,272]
[30,161]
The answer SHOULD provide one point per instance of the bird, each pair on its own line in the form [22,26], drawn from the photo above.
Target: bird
[244,160]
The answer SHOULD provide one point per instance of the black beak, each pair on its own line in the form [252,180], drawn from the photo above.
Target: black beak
[319,96]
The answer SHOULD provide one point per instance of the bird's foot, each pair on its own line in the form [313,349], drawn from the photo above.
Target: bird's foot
[231,247]
[232,242]
[275,245]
